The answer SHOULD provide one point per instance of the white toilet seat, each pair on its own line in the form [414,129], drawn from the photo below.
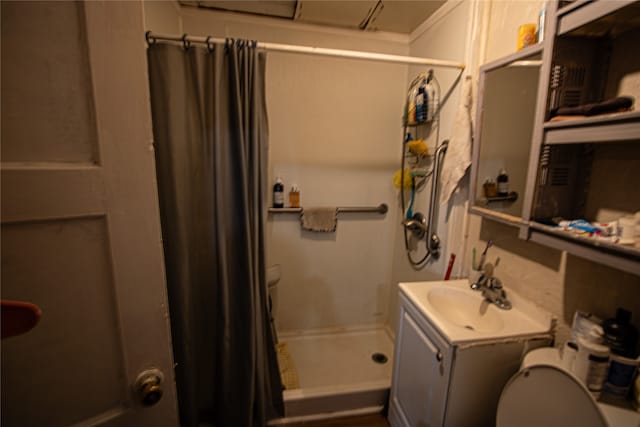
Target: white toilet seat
[543,393]
[546,395]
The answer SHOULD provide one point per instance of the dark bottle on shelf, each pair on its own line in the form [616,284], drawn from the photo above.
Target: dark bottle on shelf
[278,193]
[503,183]
[620,335]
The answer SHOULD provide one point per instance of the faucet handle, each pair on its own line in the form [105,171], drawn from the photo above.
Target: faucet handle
[495,283]
[488,270]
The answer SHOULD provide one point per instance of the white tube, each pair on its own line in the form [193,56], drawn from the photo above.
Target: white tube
[311,50]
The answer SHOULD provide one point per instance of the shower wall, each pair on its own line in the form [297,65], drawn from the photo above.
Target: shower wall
[335,131]
[444,36]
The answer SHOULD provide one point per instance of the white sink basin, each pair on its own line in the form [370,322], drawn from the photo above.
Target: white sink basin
[465,310]
[462,314]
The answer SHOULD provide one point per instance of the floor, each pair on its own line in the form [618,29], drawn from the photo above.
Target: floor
[329,360]
[375,420]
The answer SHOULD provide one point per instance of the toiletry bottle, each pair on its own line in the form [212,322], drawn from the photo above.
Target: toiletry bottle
[503,183]
[490,189]
[541,21]
[526,36]
[294,197]
[278,193]
[620,335]
[432,96]
[411,114]
[592,361]
[420,113]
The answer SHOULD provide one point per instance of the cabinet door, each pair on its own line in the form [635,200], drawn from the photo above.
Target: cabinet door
[418,392]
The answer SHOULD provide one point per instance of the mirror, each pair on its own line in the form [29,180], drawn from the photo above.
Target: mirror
[505,116]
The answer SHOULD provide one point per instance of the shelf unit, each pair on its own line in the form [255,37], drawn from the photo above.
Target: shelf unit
[582,45]
[588,55]
[601,129]
[511,197]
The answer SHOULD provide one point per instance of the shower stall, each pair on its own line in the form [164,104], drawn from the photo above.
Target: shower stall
[332,300]
[336,133]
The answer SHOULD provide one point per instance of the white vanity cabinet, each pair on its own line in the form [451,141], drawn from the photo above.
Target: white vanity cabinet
[422,362]
[446,376]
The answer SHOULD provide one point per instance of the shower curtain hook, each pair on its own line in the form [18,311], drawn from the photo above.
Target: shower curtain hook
[185,43]
[210,45]
[149,38]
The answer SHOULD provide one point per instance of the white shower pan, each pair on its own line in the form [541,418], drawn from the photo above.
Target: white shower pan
[337,374]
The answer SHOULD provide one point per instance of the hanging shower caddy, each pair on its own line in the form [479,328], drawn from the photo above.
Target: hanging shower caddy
[421,115]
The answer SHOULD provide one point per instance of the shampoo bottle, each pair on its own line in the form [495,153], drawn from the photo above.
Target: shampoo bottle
[278,193]
[420,104]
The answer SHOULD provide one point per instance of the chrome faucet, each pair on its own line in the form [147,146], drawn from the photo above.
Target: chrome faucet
[491,287]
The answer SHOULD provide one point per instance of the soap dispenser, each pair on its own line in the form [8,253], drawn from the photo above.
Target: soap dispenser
[294,197]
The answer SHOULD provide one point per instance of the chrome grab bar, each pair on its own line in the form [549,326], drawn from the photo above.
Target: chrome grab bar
[433,241]
[382,209]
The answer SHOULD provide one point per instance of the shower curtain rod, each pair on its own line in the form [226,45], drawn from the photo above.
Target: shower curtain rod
[311,50]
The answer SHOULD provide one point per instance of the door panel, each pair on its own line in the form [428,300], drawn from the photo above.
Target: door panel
[46,80]
[80,223]
[63,267]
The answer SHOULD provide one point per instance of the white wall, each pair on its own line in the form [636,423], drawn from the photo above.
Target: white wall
[162,16]
[335,130]
[554,280]
[443,36]
[501,31]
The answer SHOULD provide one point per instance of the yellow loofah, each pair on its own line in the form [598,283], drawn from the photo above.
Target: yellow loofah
[407,179]
[418,147]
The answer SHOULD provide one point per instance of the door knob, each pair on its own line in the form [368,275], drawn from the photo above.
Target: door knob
[148,386]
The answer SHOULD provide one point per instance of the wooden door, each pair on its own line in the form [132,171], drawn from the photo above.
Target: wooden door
[80,223]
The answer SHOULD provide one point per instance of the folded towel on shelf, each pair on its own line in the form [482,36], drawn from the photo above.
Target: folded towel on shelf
[612,105]
[319,219]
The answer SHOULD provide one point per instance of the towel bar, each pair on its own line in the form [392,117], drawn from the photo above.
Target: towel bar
[381,209]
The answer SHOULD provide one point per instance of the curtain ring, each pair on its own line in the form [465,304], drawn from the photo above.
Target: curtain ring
[149,38]
[185,43]
[210,45]
[228,42]
[254,44]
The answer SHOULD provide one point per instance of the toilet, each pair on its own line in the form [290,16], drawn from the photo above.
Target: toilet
[544,393]
[273,277]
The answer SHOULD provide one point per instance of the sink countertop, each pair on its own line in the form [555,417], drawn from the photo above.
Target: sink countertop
[524,319]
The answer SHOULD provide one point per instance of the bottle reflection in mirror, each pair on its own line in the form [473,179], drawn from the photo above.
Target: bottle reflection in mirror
[503,183]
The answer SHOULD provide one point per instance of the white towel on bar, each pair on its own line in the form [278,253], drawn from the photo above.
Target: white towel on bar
[458,157]
[319,219]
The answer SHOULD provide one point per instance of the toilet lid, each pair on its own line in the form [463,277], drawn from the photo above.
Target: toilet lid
[544,395]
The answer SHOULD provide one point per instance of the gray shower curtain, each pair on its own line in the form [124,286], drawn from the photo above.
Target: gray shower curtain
[211,135]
